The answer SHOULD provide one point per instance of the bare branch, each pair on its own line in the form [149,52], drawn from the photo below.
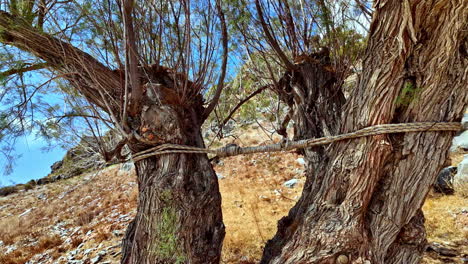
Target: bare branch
[243,101]
[274,44]
[219,89]
[29,68]
[131,65]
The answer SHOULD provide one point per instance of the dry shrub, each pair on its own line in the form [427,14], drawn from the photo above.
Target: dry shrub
[4,191]
[101,235]
[22,255]
[48,242]
[15,257]
[86,216]
[13,227]
[76,241]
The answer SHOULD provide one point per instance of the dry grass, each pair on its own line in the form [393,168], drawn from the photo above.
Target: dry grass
[24,254]
[445,220]
[254,198]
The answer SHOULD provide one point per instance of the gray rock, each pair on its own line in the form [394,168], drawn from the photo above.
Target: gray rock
[58,177]
[75,261]
[301,161]
[127,166]
[460,142]
[229,127]
[44,181]
[42,196]
[57,165]
[220,176]
[291,183]
[10,249]
[117,233]
[87,251]
[465,121]
[444,182]
[96,259]
[462,171]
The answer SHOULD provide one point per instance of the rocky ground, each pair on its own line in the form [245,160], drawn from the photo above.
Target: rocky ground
[83,219]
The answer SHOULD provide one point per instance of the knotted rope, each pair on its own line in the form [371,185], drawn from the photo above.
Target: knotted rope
[234,150]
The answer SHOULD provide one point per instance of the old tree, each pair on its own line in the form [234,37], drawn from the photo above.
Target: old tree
[145,68]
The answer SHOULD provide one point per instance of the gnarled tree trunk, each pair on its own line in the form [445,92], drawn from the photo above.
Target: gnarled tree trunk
[179,217]
[362,203]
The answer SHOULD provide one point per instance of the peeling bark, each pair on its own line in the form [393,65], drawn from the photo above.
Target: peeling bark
[363,200]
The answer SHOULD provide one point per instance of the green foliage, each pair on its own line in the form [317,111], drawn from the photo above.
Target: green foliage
[28,186]
[408,94]
[165,244]
[352,44]
[245,83]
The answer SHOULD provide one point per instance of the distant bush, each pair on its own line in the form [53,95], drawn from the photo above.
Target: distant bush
[4,191]
[28,186]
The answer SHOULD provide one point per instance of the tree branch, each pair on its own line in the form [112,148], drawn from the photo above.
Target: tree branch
[243,101]
[219,89]
[29,68]
[131,66]
[274,44]
[86,74]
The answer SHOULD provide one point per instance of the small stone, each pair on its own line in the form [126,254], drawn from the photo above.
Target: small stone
[10,249]
[342,259]
[42,196]
[117,233]
[127,166]
[220,176]
[238,204]
[96,259]
[300,161]
[264,198]
[26,212]
[291,183]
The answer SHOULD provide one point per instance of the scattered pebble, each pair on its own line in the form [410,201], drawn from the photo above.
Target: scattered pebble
[291,183]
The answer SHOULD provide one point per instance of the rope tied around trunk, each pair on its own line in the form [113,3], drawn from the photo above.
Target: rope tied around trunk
[234,150]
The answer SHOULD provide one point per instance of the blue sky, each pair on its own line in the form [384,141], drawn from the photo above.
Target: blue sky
[34,163]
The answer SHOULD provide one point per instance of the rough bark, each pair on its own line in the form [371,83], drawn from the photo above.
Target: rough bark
[363,202]
[312,93]
[179,217]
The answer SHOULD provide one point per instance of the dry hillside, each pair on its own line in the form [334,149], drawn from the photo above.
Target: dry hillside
[83,219]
